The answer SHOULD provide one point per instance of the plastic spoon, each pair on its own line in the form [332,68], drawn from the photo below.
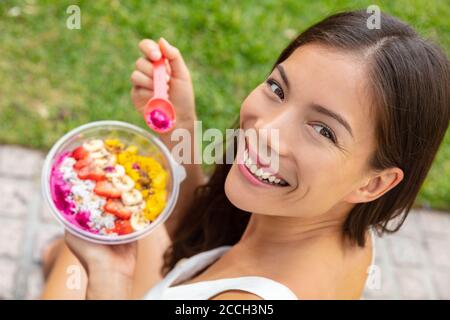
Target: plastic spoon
[159,112]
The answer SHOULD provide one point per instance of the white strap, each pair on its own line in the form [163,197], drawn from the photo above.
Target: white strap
[183,270]
[372,237]
[263,287]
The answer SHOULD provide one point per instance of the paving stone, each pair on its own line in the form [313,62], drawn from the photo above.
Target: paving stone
[413,283]
[8,269]
[46,216]
[15,196]
[441,280]
[434,222]
[406,251]
[20,162]
[11,237]
[34,283]
[439,252]
[409,226]
[44,234]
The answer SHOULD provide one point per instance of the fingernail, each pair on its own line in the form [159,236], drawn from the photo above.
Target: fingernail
[155,54]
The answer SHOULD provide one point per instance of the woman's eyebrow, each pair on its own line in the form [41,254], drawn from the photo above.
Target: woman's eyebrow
[283,74]
[333,115]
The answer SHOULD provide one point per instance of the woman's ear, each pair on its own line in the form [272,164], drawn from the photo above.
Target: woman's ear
[376,185]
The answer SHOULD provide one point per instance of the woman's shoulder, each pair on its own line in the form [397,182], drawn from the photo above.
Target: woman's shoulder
[323,270]
[330,271]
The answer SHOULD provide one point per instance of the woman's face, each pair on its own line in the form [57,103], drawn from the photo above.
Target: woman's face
[317,101]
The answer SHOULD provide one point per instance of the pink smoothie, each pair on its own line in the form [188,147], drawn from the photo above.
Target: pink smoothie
[60,191]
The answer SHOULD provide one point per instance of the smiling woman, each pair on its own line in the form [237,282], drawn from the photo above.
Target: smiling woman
[361,114]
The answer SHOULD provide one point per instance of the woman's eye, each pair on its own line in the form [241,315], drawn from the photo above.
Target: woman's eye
[275,88]
[325,131]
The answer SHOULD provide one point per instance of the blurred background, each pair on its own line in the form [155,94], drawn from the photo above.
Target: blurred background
[53,79]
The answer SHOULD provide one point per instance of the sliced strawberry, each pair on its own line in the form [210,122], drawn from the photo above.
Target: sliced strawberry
[106,189]
[79,153]
[123,227]
[82,163]
[91,172]
[117,208]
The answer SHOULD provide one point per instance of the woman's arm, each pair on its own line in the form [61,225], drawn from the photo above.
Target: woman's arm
[104,284]
[67,267]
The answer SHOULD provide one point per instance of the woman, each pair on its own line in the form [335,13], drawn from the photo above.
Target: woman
[360,114]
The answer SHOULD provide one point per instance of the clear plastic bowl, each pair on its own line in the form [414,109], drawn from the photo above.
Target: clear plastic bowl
[148,145]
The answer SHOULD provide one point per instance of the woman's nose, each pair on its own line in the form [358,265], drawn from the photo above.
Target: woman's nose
[275,130]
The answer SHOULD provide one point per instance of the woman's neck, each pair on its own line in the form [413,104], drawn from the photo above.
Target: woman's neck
[265,233]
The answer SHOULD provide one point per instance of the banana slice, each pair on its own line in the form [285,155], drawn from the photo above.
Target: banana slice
[123,183]
[108,161]
[100,162]
[137,208]
[138,221]
[93,145]
[111,160]
[102,153]
[117,171]
[132,197]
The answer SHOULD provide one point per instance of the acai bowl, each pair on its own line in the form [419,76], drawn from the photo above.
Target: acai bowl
[110,182]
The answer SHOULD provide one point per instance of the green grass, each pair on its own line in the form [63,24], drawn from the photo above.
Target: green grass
[54,79]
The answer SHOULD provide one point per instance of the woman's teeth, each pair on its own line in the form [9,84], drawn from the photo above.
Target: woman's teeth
[260,174]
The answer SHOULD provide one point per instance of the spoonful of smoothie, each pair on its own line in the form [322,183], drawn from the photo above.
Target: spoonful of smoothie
[159,112]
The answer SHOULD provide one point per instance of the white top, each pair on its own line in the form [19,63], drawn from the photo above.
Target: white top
[186,268]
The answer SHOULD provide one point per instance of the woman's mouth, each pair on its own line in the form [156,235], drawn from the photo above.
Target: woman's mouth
[260,174]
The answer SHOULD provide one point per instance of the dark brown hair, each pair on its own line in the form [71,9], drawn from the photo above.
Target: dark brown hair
[410,86]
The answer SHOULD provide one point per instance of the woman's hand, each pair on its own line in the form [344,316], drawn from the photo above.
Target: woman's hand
[110,268]
[181,92]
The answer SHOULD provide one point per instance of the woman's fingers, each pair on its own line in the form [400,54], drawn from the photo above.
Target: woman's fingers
[178,66]
[143,93]
[153,51]
[139,79]
[150,49]
[144,66]
[168,68]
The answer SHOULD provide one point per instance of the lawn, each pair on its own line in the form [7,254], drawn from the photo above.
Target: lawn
[54,79]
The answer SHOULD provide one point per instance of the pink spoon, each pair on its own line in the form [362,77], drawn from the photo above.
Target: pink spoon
[159,112]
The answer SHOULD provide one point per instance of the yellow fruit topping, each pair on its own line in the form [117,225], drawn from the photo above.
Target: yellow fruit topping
[150,179]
